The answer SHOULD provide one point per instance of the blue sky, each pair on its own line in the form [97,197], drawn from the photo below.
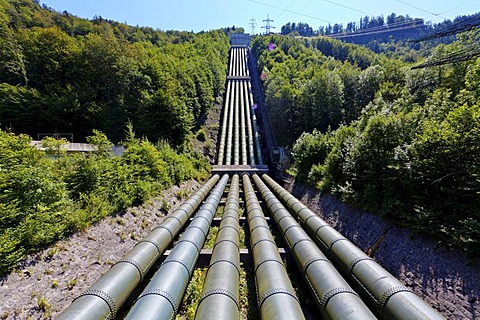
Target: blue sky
[200,15]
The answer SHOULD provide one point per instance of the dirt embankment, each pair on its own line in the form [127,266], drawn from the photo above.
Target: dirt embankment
[442,277]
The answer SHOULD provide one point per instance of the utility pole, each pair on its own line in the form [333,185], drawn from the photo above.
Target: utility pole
[253,24]
[268,26]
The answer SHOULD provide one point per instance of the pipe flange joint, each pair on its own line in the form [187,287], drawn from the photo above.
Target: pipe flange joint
[137,265]
[322,226]
[227,261]
[105,297]
[230,227]
[296,225]
[274,291]
[259,226]
[161,293]
[330,294]
[149,241]
[180,262]
[357,260]
[335,241]
[189,241]
[310,261]
[267,260]
[262,240]
[174,218]
[196,227]
[226,240]
[301,240]
[169,231]
[202,217]
[219,291]
[389,293]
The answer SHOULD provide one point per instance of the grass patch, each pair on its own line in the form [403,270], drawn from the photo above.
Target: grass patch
[192,295]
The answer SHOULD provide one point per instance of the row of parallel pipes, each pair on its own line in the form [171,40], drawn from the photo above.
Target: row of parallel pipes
[390,297]
[109,293]
[276,297]
[223,132]
[220,296]
[248,93]
[162,296]
[333,295]
[310,240]
[239,138]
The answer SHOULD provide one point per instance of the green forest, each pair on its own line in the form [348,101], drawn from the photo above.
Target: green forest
[106,83]
[402,143]
[59,73]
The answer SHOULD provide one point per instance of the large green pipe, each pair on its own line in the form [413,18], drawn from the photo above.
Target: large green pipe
[109,293]
[223,134]
[220,296]
[391,298]
[333,295]
[236,131]
[240,61]
[161,298]
[230,69]
[243,133]
[256,136]
[231,110]
[248,105]
[276,296]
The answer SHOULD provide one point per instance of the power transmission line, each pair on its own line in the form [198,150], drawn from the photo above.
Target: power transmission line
[415,7]
[350,8]
[287,7]
[458,27]
[404,25]
[274,9]
[303,8]
[465,54]
[358,34]
[290,11]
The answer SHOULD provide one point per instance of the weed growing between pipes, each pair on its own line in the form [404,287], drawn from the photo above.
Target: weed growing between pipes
[211,237]
[248,296]
[304,295]
[192,296]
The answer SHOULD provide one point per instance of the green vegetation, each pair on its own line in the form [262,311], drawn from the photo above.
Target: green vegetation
[402,143]
[43,200]
[211,238]
[192,295]
[45,306]
[59,73]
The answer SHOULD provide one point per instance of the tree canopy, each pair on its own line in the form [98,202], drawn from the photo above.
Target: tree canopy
[61,73]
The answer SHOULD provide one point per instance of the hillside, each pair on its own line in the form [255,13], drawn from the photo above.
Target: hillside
[62,74]
[402,143]
[391,35]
